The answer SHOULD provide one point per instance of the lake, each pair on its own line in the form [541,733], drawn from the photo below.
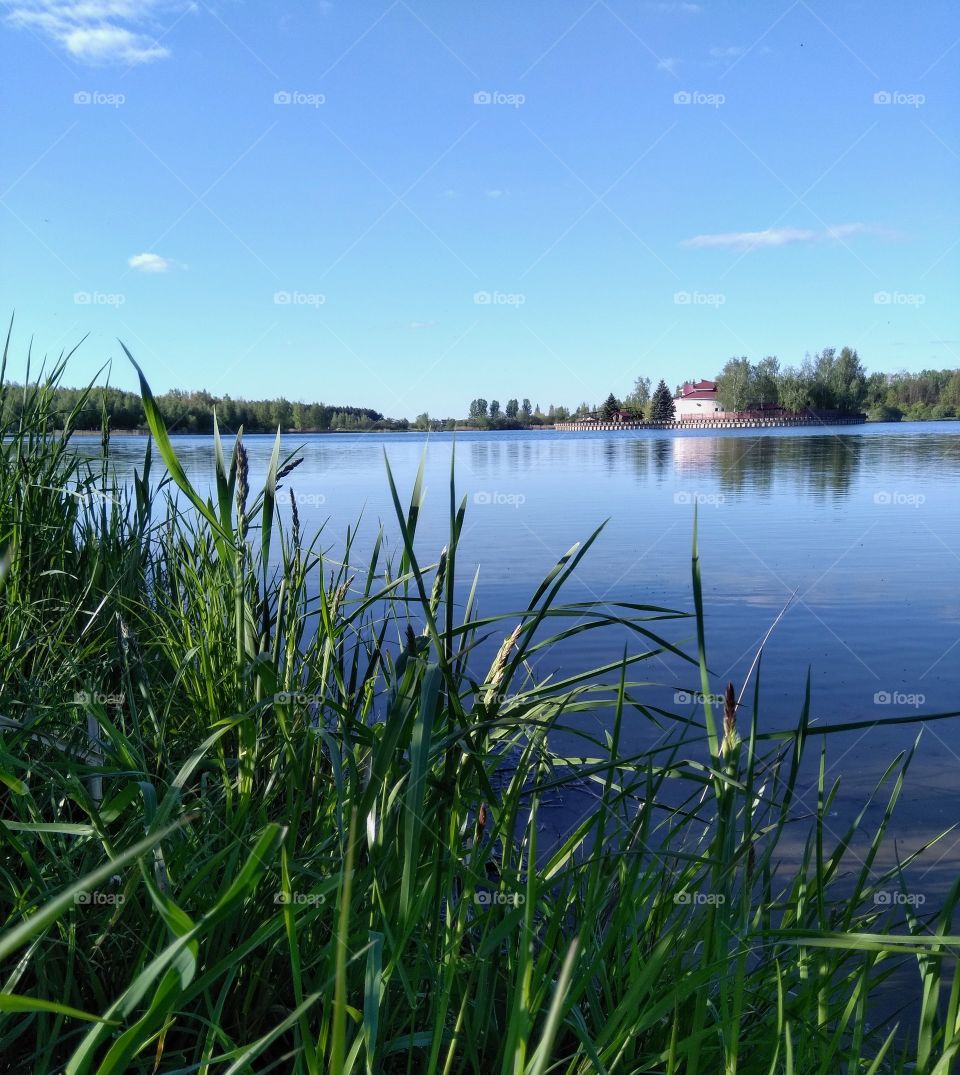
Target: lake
[861,522]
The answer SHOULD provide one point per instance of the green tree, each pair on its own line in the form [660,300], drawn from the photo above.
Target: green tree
[820,369]
[609,407]
[662,409]
[951,390]
[766,380]
[281,414]
[494,409]
[735,384]
[525,409]
[793,390]
[848,381]
[639,397]
[513,408]
[878,385]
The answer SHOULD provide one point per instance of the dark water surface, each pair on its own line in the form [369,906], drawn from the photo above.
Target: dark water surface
[862,522]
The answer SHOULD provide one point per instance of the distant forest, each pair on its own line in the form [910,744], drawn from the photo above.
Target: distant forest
[192,412]
[914,396]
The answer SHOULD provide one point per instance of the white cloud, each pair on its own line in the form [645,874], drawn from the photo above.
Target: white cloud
[757,240]
[110,44]
[495,193]
[668,64]
[414,325]
[98,32]
[751,240]
[150,263]
[845,231]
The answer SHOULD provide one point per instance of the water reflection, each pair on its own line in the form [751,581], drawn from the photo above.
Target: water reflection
[821,466]
[808,465]
[815,466]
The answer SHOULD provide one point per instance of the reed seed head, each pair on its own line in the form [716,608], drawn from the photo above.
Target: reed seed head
[296,520]
[730,735]
[243,487]
[289,468]
[499,666]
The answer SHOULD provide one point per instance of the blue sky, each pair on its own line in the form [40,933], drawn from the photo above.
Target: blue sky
[405,204]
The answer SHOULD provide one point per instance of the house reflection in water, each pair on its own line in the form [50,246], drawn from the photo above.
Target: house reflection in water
[814,465]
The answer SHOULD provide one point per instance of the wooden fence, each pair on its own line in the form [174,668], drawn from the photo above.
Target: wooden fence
[718,423]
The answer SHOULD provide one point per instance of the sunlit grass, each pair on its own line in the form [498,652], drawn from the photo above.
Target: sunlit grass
[266,811]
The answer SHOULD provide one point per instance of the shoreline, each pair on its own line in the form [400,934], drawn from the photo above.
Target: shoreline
[720,423]
[561,427]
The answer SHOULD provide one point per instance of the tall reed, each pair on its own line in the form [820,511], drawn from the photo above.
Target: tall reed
[263,810]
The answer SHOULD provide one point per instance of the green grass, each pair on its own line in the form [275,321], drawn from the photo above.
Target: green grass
[265,811]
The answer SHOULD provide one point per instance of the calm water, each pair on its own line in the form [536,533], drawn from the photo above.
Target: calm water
[862,522]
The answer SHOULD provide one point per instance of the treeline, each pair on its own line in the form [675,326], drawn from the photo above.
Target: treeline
[192,412]
[516,414]
[916,397]
[829,380]
[836,380]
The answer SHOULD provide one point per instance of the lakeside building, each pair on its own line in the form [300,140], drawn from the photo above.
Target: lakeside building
[697,399]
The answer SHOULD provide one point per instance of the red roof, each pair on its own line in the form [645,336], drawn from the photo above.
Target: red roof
[698,390]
